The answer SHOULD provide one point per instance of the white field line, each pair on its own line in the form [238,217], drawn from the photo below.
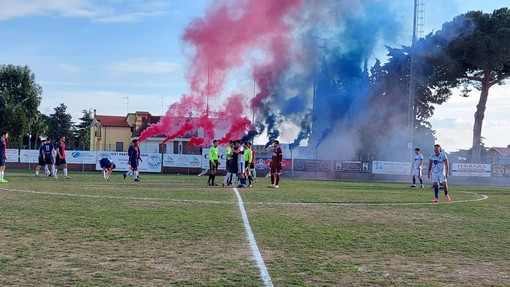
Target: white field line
[480,198]
[253,244]
[118,197]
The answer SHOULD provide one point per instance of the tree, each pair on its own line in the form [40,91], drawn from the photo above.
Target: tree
[39,127]
[20,97]
[388,103]
[83,130]
[473,51]
[61,124]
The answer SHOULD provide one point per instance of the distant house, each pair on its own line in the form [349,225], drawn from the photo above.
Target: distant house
[140,121]
[499,154]
[114,133]
[109,133]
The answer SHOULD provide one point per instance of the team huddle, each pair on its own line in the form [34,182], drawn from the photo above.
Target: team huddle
[51,157]
[241,164]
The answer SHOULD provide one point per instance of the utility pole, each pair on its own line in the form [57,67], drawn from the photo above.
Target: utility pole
[418,23]
[127,104]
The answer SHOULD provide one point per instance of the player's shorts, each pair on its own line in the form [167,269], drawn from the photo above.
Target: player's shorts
[106,165]
[48,160]
[252,165]
[276,169]
[40,160]
[61,161]
[437,177]
[213,165]
[232,168]
[133,163]
[240,166]
[2,161]
[417,172]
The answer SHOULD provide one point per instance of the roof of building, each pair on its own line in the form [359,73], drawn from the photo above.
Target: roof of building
[112,121]
[504,151]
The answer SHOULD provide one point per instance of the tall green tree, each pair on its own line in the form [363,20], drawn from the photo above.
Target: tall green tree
[39,128]
[473,51]
[61,124]
[20,97]
[83,130]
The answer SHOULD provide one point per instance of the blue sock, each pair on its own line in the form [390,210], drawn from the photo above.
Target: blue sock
[436,191]
[414,180]
[421,180]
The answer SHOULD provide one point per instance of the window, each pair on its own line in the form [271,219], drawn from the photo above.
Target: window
[119,146]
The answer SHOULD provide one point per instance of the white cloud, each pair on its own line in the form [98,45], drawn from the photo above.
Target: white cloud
[68,68]
[127,17]
[144,66]
[454,120]
[105,102]
[98,11]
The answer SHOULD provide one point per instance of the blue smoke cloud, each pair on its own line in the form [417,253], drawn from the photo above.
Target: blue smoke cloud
[332,81]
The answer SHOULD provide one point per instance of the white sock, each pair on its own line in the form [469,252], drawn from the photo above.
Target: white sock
[36,172]
[54,171]
[65,171]
[1,175]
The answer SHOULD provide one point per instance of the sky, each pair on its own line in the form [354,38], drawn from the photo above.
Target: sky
[119,56]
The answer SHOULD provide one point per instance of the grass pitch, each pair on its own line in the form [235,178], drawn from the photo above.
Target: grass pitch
[170,230]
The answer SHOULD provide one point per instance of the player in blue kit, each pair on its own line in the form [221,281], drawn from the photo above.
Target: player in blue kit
[107,166]
[49,157]
[438,172]
[134,158]
[417,167]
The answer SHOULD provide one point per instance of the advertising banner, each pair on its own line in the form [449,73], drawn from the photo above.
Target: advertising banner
[264,164]
[81,157]
[12,155]
[471,169]
[391,167]
[500,170]
[29,156]
[182,160]
[351,166]
[312,165]
[151,162]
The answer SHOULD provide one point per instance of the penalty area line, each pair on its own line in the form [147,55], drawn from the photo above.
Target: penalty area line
[253,244]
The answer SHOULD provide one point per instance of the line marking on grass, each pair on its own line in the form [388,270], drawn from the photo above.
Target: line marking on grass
[480,198]
[118,197]
[253,244]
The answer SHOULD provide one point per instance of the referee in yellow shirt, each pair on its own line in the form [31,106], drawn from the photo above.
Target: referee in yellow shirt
[214,161]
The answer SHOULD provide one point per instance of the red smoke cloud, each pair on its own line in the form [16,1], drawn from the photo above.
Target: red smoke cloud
[222,41]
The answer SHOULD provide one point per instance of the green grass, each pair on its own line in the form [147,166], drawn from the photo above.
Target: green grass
[170,230]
